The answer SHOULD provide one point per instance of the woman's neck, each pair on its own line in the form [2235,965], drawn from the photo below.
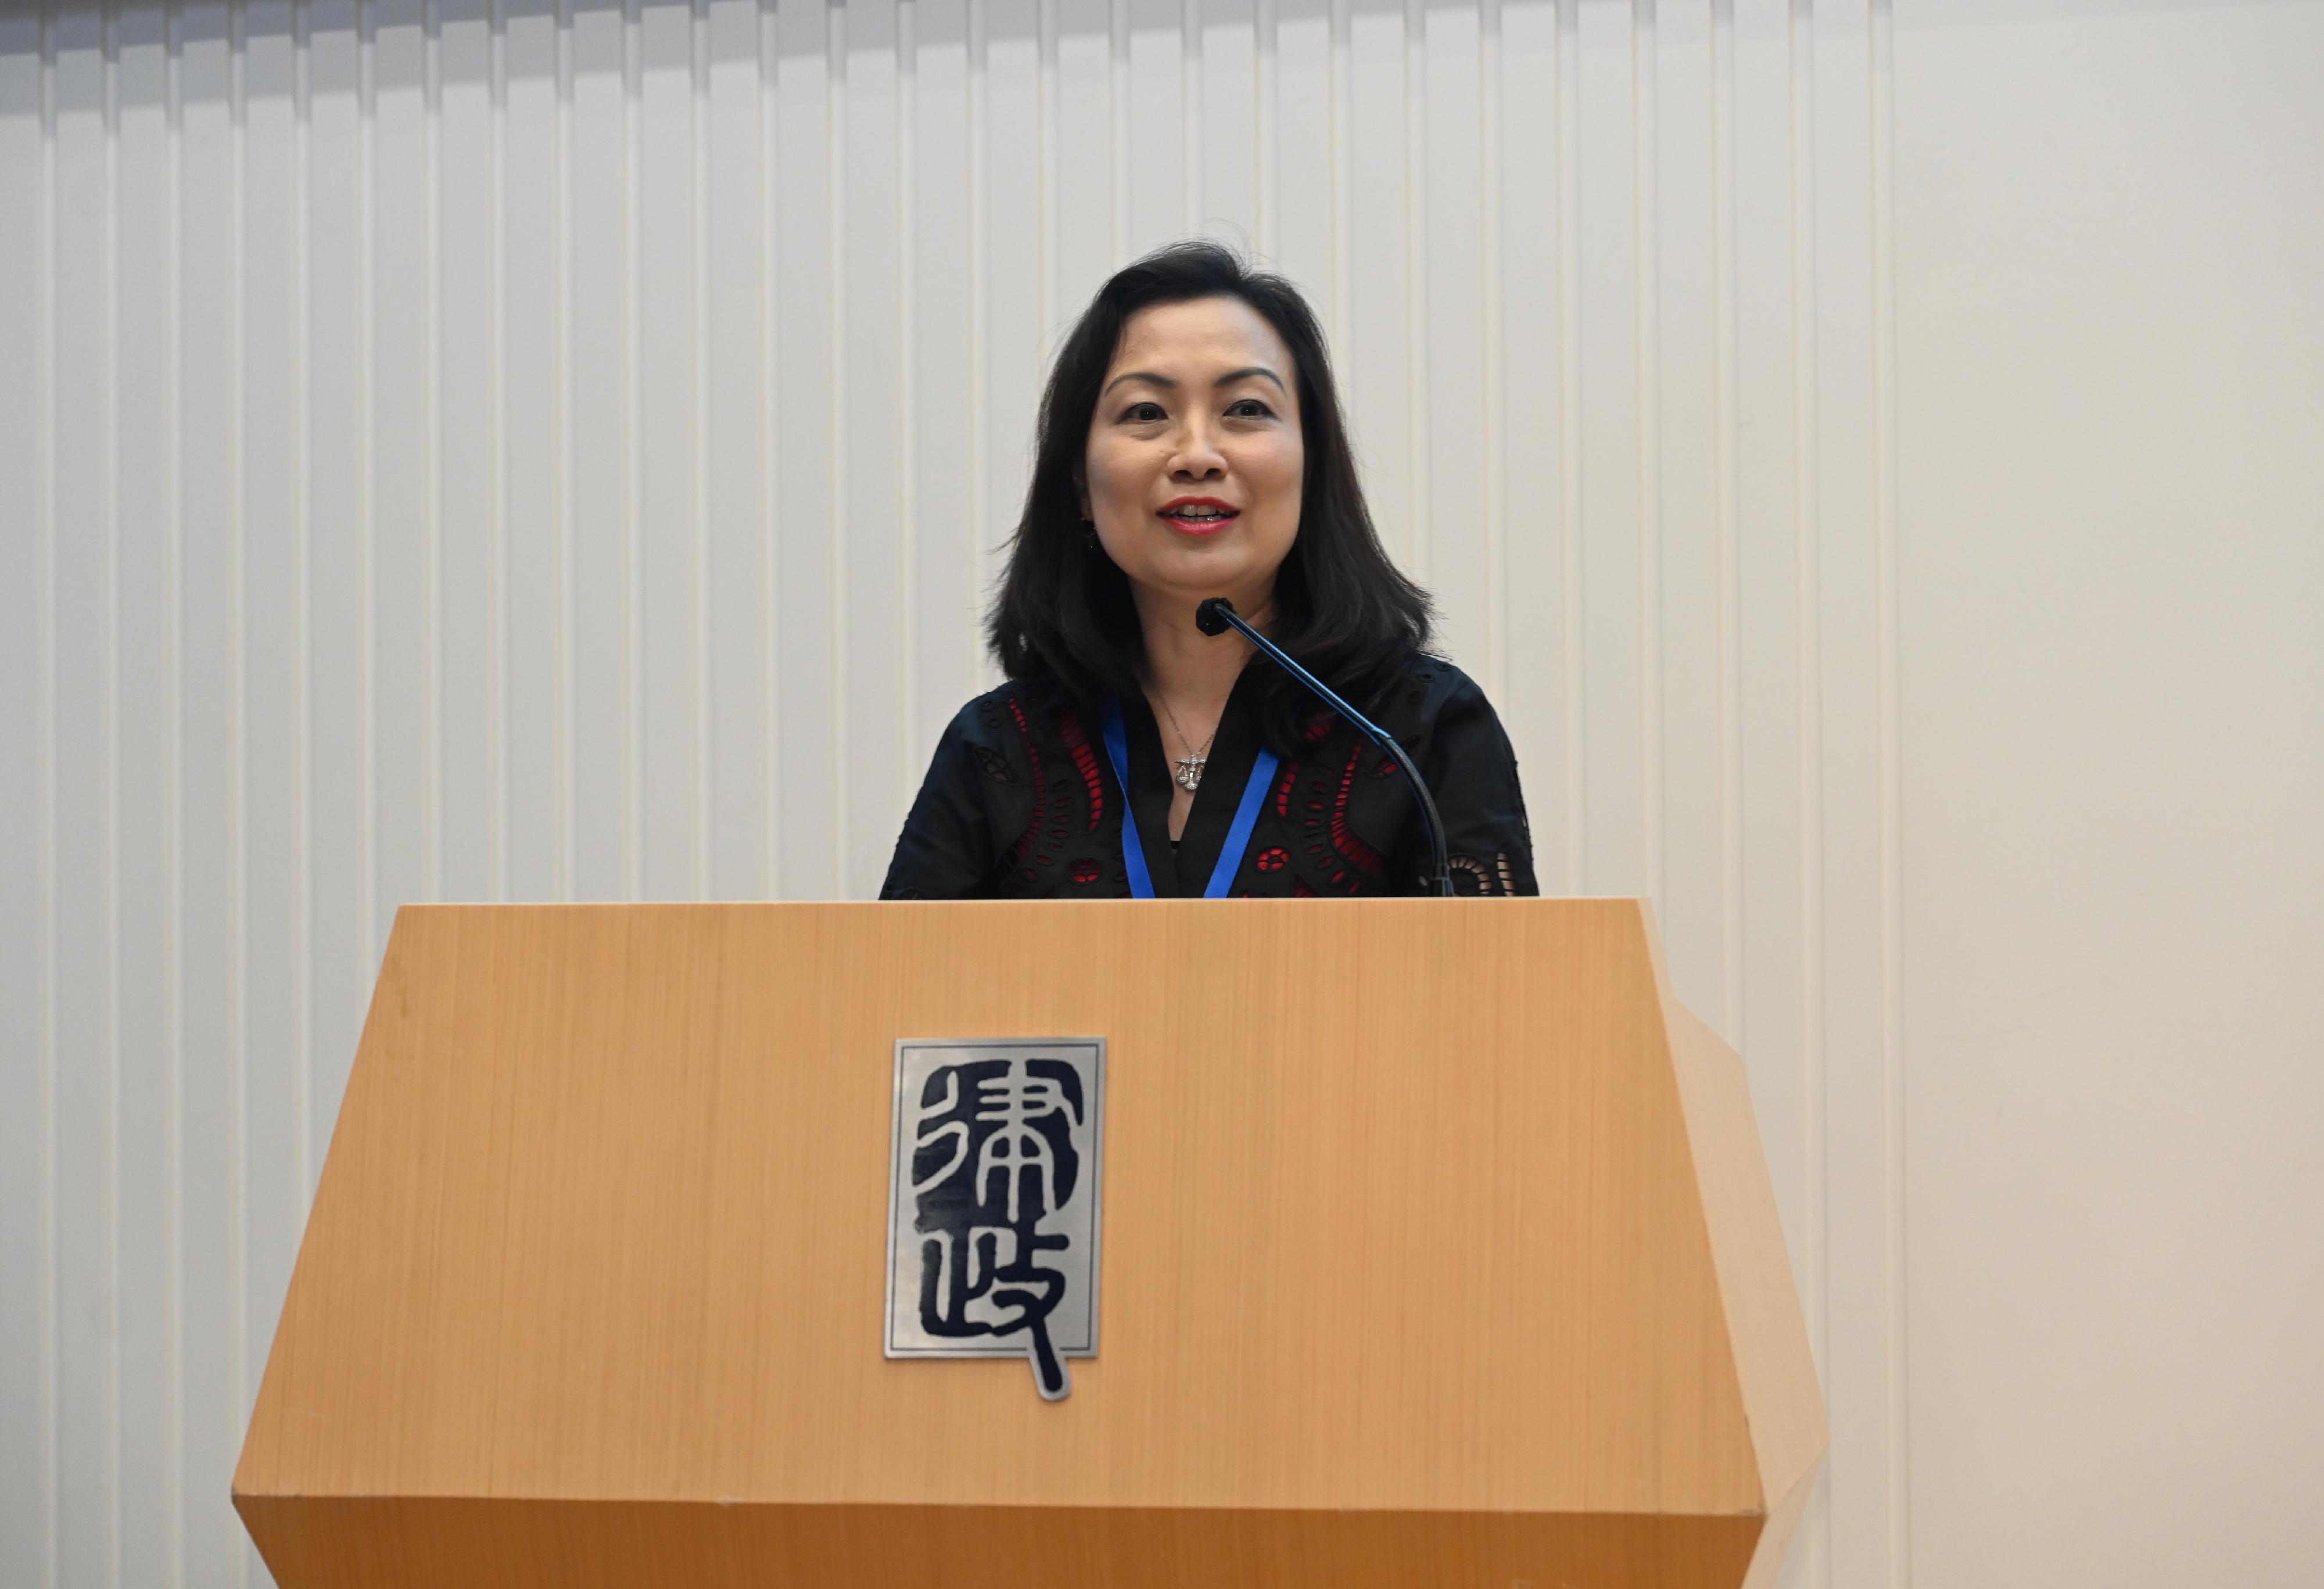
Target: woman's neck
[1195,672]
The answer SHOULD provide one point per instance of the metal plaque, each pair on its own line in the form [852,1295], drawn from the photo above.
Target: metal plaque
[992,1201]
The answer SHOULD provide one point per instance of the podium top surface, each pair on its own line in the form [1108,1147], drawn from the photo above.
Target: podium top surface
[1409,1204]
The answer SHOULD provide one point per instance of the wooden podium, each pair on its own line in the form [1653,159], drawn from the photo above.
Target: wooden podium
[1438,1249]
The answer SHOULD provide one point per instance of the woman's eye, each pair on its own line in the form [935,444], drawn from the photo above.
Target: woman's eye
[1264,411]
[1132,411]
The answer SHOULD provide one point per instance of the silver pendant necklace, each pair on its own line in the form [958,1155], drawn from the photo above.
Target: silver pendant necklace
[1189,776]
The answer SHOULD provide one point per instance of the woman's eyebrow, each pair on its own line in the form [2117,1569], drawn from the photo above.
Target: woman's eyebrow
[1229,379]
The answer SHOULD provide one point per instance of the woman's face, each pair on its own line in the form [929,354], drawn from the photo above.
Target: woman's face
[1198,414]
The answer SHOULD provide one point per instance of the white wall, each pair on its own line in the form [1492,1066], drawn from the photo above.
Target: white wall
[1870,461]
[2110,229]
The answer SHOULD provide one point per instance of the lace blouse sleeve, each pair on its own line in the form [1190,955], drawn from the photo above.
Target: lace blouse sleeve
[1473,770]
[947,850]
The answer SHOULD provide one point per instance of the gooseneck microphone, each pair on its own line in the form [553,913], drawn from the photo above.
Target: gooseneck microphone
[1217,614]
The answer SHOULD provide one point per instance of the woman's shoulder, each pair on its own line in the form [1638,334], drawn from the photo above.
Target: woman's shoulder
[1426,685]
[997,706]
[1008,718]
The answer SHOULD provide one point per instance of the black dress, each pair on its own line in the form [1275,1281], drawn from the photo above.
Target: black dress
[1021,801]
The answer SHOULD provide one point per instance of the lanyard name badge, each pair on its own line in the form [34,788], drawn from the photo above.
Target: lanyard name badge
[1231,854]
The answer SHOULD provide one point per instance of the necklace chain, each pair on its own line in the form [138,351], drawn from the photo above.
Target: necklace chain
[1190,766]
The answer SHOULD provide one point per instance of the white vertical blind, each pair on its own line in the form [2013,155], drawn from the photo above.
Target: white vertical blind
[482,449]
[542,449]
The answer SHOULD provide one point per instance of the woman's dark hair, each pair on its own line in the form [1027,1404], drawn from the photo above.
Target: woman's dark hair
[1341,607]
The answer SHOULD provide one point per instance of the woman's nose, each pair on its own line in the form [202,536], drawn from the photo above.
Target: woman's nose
[1197,447]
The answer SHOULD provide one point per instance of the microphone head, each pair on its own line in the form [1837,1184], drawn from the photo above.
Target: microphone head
[1209,617]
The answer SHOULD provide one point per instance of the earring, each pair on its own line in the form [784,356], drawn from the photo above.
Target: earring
[1089,533]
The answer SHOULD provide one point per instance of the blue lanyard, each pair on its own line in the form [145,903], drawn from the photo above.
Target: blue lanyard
[1231,854]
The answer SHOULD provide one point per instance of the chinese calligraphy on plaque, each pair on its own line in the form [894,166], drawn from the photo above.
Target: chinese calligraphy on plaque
[993,1202]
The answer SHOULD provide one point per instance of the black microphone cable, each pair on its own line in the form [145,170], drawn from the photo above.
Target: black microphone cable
[1217,614]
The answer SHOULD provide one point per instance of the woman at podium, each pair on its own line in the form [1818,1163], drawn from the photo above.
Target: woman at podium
[1191,445]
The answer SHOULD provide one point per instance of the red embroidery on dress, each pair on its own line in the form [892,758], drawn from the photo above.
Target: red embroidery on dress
[1085,764]
[1343,838]
[1317,727]
[1040,792]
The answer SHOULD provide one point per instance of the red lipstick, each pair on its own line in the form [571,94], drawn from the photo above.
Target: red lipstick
[1227,512]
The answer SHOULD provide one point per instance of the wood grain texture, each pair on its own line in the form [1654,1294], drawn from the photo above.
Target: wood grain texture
[464,1544]
[1402,1220]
